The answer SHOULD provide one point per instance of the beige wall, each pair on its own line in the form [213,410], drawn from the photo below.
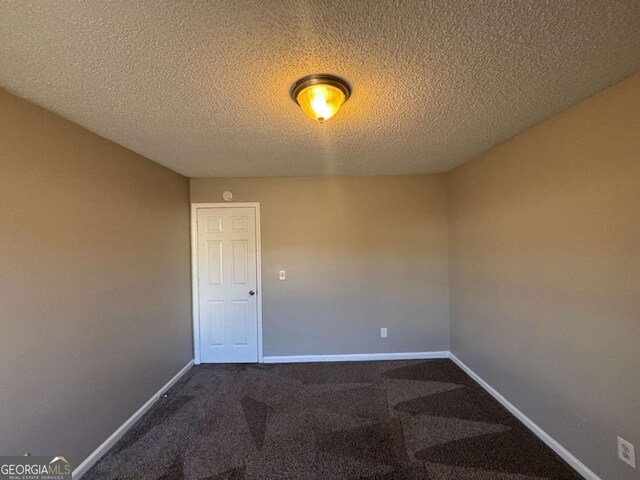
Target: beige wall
[94,283]
[360,253]
[545,274]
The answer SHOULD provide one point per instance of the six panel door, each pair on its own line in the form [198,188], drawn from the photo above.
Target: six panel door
[227,285]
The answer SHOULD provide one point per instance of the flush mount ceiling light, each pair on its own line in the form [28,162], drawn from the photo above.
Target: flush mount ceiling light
[320,96]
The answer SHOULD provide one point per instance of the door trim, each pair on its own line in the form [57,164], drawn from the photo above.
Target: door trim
[194,272]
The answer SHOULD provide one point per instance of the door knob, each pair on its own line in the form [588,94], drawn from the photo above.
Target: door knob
[251,292]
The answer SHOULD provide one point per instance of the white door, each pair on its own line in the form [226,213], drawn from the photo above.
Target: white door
[227,284]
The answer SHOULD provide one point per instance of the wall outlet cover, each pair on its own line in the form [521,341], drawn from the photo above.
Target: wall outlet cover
[626,452]
[383,333]
[282,275]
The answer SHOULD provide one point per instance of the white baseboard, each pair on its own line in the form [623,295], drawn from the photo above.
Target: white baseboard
[109,442]
[358,357]
[566,455]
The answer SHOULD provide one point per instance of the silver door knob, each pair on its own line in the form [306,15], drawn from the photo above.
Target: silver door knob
[251,292]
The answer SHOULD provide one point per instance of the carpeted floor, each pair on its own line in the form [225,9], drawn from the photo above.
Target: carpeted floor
[361,420]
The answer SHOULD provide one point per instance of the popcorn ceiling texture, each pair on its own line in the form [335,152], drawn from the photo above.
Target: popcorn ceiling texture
[202,87]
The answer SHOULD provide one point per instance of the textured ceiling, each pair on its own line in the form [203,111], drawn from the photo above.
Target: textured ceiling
[202,87]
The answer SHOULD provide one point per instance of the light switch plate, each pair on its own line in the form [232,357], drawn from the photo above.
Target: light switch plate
[383,333]
[626,452]
[282,275]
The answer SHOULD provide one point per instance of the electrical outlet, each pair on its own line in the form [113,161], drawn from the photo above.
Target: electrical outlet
[282,275]
[383,333]
[626,452]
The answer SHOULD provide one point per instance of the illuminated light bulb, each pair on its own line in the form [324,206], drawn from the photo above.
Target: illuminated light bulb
[320,96]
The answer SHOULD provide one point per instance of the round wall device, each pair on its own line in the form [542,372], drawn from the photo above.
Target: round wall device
[227,196]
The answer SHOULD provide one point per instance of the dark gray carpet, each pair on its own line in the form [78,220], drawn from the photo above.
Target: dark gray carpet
[360,420]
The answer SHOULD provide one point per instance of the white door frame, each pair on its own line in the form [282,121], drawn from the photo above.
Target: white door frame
[194,271]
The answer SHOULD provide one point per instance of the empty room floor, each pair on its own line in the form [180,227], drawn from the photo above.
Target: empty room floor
[376,420]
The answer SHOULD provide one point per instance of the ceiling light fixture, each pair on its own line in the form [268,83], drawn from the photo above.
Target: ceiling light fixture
[320,96]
